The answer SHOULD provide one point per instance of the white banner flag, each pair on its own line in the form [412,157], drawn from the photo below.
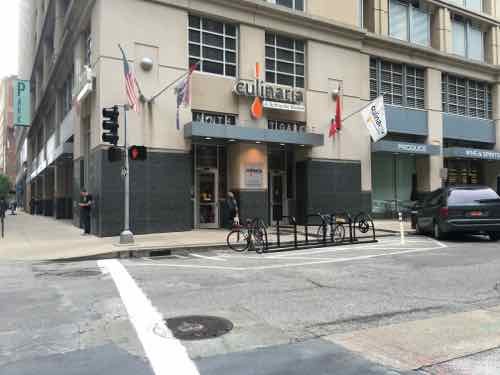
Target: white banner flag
[374,118]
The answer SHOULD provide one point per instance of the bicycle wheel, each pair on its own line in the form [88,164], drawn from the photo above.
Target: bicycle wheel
[258,241]
[238,240]
[319,233]
[338,233]
[259,236]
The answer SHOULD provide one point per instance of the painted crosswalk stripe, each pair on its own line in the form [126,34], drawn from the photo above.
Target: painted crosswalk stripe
[209,258]
[165,353]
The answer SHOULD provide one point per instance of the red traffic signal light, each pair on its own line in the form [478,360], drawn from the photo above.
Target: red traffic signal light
[138,153]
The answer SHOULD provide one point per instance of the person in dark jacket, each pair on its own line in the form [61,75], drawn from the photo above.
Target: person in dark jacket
[85,206]
[232,210]
[3,207]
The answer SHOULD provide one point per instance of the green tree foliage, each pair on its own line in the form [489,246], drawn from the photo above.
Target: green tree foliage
[4,186]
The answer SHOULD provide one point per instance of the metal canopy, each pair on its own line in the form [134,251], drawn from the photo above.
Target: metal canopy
[396,147]
[471,153]
[197,129]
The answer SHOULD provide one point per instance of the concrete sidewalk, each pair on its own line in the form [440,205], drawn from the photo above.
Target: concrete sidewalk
[30,237]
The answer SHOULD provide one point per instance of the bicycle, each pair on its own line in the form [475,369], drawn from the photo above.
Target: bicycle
[252,236]
[331,229]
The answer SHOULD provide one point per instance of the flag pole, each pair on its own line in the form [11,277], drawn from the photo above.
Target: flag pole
[172,83]
[126,236]
[357,111]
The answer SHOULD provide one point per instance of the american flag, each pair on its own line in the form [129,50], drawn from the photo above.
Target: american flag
[130,83]
[183,92]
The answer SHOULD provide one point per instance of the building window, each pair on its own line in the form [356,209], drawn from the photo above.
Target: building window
[88,47]
[468,39]
[293,4]
[214,118]
[67,95]
[408,21]
[293,126]
[466,97]
[214,45]
[285,60]
[476,5]
[400,84]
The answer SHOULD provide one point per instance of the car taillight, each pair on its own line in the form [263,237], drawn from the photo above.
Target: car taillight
[443,212]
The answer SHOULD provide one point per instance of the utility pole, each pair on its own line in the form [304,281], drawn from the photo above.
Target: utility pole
[126,236]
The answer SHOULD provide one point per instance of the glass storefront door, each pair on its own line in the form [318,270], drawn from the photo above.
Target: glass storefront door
[277,192]
[393,183]
[207,195]
[210,181]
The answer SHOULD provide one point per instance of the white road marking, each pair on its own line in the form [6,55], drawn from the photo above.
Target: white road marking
[209,258]
[289,265]
[333,249]
[341,260]
[166,354]
[270,257]
[178,265]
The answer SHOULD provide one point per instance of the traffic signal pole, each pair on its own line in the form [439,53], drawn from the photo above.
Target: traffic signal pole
[126,236]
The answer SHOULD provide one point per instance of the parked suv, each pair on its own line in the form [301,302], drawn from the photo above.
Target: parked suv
[462,209]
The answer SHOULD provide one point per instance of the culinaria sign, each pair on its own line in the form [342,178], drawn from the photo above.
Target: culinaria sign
[270,92]
[269,95]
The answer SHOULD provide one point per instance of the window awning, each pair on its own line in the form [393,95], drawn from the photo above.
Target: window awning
[203,130]
[396,147]
[471,153]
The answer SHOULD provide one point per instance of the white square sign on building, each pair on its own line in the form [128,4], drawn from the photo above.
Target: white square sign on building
[374,117]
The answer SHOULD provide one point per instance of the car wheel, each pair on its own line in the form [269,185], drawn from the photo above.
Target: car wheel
[438,233]
[494,236]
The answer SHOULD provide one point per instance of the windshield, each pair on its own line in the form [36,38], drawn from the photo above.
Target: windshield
[466,196]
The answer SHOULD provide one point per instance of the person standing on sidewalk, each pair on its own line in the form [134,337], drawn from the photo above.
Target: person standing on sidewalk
[232,210]
[85,207]
[3,208]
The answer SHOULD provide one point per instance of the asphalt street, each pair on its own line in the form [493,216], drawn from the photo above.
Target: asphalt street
[423,307]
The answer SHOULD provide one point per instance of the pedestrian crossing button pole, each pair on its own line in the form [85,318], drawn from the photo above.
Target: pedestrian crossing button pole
[126,236]
[401,227]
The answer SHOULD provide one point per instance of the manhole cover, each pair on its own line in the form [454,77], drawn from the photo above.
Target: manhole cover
[198,327]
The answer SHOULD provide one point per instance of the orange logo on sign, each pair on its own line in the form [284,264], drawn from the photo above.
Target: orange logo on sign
[257,109]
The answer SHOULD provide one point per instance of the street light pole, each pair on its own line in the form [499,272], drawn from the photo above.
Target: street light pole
[126,236]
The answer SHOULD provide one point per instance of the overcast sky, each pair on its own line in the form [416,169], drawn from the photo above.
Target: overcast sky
[9,36]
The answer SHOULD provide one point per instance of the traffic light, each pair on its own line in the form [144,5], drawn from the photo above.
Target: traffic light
[114,154]
[110,123]
[138,153]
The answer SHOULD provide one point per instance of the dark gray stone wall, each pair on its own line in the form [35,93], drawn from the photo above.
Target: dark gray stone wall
[63,208]
[253,204]
[160,199]
[329,186]
[76,192]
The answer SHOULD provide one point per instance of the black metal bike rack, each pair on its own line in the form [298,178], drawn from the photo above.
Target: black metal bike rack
[357,227]
[363,223]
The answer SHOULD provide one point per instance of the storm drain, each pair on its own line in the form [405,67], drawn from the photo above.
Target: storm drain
[198,327]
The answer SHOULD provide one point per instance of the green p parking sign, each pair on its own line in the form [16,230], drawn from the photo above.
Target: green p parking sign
[22,107]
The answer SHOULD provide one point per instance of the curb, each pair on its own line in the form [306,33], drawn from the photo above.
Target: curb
[158,250]
[143,252]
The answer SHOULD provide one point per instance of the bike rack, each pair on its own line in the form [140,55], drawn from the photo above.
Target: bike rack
[347,218]
[323,224]
[293,222]
[363,223]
